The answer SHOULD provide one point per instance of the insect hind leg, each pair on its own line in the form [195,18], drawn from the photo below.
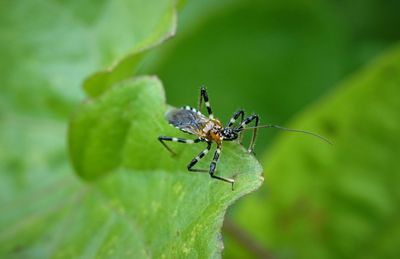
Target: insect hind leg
[198,158]
[173,139]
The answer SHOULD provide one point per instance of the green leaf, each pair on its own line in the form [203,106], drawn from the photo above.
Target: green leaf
[339,201]
[139,201]
[52,46]
[35,182]
[99,82]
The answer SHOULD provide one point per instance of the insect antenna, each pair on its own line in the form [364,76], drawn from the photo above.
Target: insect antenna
[291,130]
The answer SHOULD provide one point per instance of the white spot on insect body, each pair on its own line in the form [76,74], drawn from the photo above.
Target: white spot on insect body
[189,141]
[209,126]
[175,139]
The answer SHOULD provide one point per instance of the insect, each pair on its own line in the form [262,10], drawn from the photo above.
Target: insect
[209,130]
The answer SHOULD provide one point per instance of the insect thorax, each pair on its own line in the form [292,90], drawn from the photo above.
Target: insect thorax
[212,130]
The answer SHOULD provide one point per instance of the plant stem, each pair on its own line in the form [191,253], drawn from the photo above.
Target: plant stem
[245,240]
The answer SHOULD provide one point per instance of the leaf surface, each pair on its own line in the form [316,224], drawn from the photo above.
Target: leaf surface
[138,201]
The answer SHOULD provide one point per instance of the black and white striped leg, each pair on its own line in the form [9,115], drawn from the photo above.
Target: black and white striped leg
[204,95]
[246,121]
[173,139]
[236,115]
[198,158]
[213,167]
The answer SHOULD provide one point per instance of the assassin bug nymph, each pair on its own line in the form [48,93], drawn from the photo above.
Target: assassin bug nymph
[208,129]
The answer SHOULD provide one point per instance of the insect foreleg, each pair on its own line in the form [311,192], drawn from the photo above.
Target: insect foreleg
[213,167]
[197,159]
[180,140]
[248,120]
[204,95]
[235,116]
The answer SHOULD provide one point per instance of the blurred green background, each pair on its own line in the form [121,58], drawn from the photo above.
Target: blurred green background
[331,67]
